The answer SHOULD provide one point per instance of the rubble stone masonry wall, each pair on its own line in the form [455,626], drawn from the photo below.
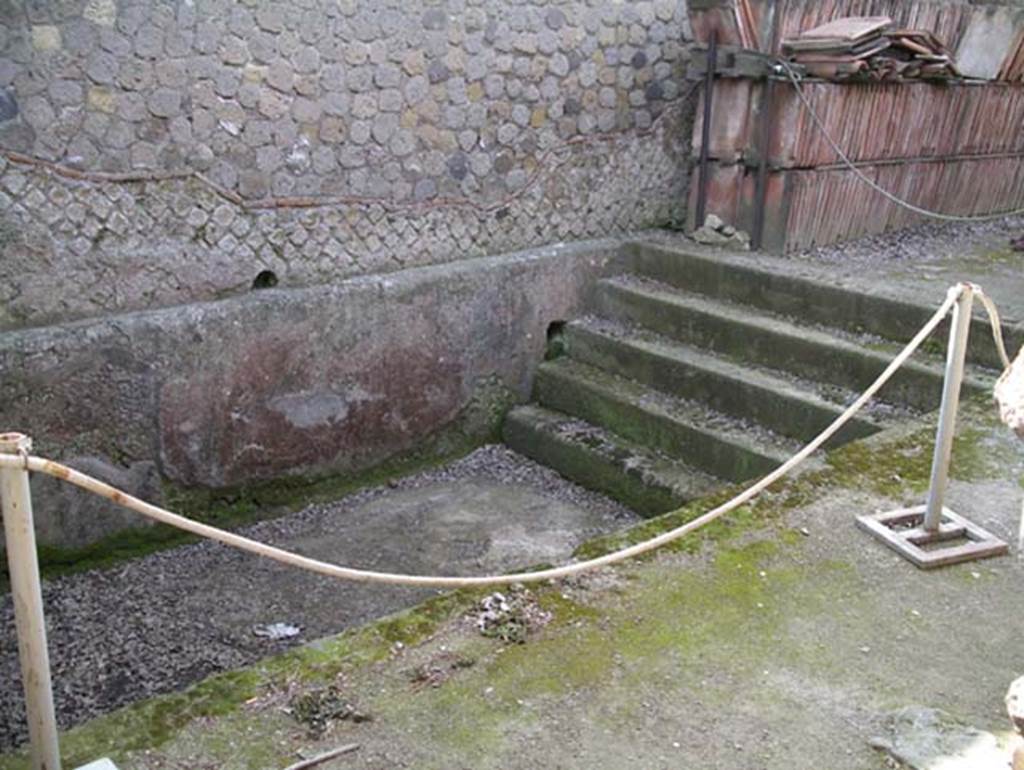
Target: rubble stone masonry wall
[167,151]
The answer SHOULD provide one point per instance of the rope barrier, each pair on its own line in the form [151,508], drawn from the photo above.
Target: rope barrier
[995,323]
[57,470]
[865,178]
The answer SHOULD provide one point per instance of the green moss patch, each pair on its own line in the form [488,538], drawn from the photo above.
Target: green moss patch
[663,626]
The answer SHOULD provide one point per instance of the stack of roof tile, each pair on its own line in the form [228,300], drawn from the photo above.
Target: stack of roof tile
[1012,69]
[869,48]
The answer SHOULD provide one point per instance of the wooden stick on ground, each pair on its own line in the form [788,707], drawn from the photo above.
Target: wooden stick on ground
[320,758]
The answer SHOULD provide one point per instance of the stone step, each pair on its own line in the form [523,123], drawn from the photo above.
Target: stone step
[645,480]
[744,280]
[781,404]
[747,334]
[704,438]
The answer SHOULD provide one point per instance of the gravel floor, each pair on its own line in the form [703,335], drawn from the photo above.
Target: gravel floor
[922,244]
[164,621]
[929,242]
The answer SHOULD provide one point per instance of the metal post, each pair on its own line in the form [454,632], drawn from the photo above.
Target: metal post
[955,357]
[932,535]
[764,145]
[26,592]
[705,134]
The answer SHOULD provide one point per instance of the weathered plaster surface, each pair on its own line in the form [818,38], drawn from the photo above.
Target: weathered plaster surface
[294,382]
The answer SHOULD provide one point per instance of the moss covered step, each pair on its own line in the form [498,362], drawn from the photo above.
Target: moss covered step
[645,480]
[781,404]
[771,287]
[746,334]
[686,430]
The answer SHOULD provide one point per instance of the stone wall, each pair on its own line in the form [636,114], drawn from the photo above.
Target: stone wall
[168,151]
[289,384]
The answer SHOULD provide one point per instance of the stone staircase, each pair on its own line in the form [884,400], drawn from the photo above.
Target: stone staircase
[695,371]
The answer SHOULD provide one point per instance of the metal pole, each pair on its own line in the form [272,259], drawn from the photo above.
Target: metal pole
[761,188]
[956,354]
[705,134]
[26,592]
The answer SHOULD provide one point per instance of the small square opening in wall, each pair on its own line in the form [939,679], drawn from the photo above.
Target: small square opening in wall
[956,540]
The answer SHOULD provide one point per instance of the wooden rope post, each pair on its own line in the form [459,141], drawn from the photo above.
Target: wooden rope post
[26,591]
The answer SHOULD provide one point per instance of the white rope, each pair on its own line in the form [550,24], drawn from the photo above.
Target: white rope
[42,465]
[995,322]
[872,183]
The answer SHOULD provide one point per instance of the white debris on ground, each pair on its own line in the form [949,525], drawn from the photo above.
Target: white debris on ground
[510,617]
[276,631]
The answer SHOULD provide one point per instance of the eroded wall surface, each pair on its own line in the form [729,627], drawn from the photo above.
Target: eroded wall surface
[161,152]
[287,383]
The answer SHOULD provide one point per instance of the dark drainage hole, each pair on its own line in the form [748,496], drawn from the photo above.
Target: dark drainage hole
[267,279]
[556,341]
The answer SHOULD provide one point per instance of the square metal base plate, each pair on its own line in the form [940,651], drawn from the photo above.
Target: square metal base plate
[903,531]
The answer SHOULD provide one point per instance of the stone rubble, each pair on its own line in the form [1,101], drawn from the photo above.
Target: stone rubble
[715,232]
